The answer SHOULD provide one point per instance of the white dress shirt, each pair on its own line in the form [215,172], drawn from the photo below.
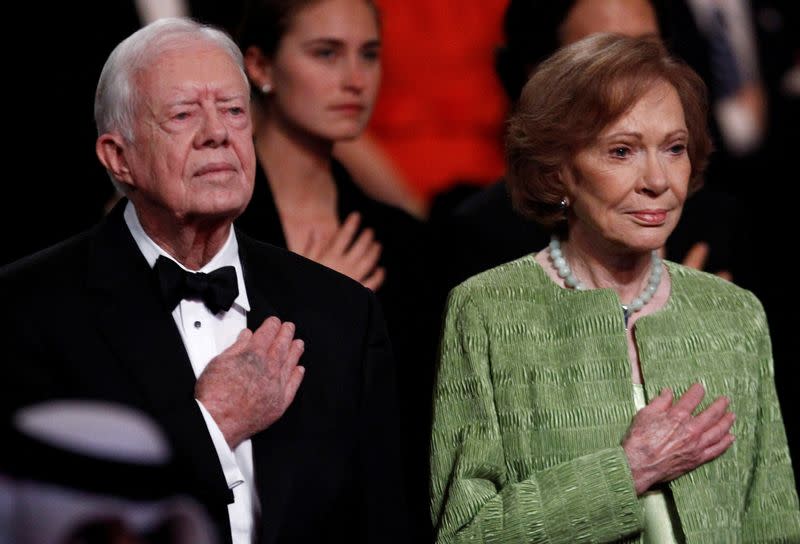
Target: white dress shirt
[205,336]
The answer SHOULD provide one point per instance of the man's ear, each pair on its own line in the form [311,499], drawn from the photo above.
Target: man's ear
[110,148]
[258,67]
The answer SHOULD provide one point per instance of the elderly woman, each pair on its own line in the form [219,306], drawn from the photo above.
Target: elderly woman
[546,360]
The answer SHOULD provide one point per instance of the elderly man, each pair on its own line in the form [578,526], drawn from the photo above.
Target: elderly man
[270,374]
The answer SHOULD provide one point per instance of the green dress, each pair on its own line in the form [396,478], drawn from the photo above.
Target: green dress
[533,398]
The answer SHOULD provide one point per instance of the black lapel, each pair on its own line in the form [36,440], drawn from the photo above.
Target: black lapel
[275,450]
[147,344]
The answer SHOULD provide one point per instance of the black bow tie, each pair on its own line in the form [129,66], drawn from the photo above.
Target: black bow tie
[217,289]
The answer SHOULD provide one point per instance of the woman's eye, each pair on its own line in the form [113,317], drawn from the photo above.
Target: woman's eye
[325,53]
[620,152]
[370,54]
[677,149]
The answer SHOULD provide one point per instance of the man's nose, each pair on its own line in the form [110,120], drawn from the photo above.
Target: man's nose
[213,132]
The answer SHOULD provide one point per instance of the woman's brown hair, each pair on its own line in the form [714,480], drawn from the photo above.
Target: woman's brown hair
[574,95]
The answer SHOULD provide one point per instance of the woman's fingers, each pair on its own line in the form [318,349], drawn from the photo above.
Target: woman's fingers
[312,248]
[375,280]
[351,253]
[344,236]
[711,415]
[689,401]
[718,431]
[662,402]
[665,440]
[696,256]
[715,450]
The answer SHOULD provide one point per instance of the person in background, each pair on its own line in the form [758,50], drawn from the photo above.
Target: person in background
[165,307]
[747,52]
[437,132]
[569,403]
[79,471]
[315,68]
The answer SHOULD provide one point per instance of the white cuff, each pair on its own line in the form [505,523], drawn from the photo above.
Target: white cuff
[230,468]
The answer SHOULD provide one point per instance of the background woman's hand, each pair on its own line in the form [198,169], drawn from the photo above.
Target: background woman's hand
[665,440]
[355,255]
[696,258]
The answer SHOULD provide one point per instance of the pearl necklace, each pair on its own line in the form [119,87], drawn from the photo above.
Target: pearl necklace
[570,280]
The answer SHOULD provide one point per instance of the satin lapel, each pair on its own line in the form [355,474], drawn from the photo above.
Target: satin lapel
[147,344]
[275,449]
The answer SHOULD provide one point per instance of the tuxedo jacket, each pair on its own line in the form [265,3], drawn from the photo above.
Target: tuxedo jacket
[84,319]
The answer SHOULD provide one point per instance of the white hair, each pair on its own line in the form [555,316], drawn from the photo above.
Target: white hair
[116,97]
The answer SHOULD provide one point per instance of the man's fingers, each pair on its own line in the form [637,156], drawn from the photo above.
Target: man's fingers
[243,337]
[264,336]
[690,400]
[276,354]
[242,340]
[295,351]
[293,384]
[697,255]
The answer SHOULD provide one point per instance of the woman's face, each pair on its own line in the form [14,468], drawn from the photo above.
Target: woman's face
[326,71]
[627,189]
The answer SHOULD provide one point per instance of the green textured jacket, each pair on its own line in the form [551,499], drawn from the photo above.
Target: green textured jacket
[534,396]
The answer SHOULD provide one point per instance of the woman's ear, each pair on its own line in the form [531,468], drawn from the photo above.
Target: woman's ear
[110,148]
[566,177]
[258,68]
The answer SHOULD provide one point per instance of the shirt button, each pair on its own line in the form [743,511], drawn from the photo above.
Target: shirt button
[197,324]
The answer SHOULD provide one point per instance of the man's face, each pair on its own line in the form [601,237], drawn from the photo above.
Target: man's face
[192,157]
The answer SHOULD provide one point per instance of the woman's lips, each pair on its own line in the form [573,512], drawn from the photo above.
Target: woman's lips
[348,108]
[650,217]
